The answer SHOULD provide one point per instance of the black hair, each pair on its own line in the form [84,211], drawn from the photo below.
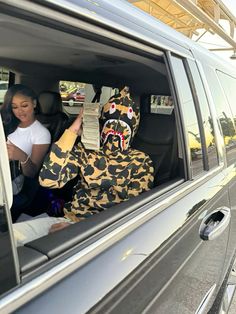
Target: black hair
[10,122]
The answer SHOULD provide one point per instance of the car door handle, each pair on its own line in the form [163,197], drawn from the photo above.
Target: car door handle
[215,223]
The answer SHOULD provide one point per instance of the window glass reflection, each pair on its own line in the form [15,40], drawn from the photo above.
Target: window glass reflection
[189,115]
[206,117]
[224,113]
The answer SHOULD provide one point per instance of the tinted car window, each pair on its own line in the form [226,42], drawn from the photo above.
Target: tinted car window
[205,117]
[229,85]
[189,115]
[224,115]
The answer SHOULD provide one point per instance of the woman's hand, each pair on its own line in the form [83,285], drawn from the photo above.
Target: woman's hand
[15,153]
[76,126]
[58,226]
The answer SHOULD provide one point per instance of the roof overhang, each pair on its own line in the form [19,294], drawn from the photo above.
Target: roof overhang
[189,16]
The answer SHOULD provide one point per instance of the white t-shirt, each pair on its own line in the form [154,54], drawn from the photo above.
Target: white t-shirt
[25,138]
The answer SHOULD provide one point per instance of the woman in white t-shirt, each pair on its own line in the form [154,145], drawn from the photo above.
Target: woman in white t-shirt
[27,140]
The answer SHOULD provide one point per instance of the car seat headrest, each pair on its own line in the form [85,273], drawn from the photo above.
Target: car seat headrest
[50,102]
[156,129]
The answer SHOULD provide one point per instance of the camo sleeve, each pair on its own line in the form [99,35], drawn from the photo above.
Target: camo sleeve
[142,176]
[61,164]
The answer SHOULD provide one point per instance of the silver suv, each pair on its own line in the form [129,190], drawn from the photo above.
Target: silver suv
[170,250]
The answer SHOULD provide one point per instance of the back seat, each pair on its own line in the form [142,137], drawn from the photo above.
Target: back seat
[51,114]
[156,136]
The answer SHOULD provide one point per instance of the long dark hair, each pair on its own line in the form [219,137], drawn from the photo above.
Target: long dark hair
[10,122]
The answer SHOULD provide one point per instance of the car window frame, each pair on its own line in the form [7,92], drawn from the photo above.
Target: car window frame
[193,66]
[183,127]
[216,124]
[6,222]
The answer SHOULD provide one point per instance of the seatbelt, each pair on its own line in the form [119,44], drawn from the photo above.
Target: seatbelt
[97,96]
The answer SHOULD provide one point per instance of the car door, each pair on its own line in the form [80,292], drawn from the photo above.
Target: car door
[157,253]
[8,258]
[184,274]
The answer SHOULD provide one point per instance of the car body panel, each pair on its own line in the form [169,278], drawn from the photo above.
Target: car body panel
[153,258]
[120,260]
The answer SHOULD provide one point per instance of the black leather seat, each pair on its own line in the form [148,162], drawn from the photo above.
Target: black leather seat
[156,136]
[51,114]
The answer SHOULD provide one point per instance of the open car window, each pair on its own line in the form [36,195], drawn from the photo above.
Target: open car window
[87,70]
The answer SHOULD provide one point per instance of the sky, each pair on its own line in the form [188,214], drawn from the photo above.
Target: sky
[213,41]
[231,4]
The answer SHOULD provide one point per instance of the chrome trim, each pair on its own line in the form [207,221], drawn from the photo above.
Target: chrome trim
[217,230]
[227,299]
[190,185]
[203,305]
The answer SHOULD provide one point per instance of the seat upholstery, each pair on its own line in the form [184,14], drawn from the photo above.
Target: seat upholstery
[51,114]
[156,136]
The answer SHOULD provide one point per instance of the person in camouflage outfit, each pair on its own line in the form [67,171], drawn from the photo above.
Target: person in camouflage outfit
[109,176]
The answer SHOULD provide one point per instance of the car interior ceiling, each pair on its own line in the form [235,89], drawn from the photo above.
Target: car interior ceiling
[41,57]
[49,52]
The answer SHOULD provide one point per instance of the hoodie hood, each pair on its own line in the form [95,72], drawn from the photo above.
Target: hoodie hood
[120,118]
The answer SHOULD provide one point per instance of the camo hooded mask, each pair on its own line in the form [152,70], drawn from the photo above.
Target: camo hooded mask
[121,119]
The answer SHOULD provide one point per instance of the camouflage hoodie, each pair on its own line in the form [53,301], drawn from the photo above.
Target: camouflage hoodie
[109,176]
